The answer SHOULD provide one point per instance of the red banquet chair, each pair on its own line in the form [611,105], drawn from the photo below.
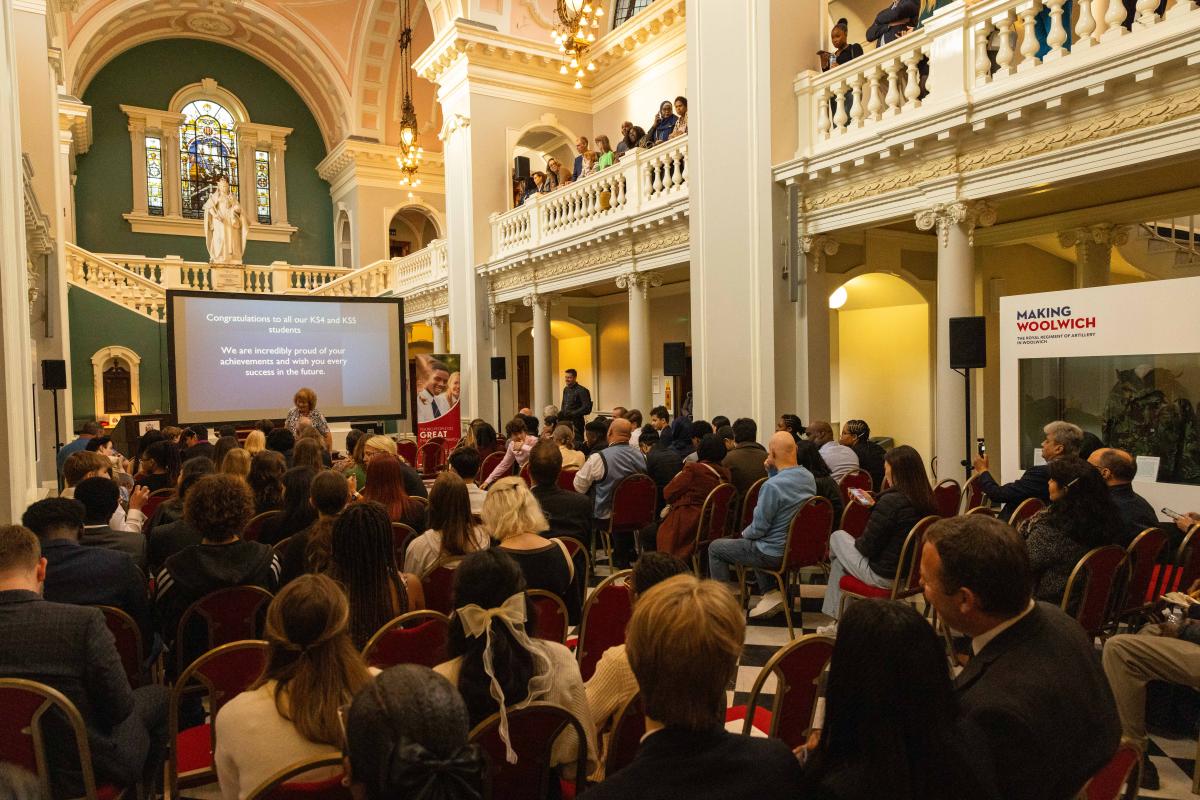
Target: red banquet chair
[431,459]
[153,502]
[855,517]
[628,728]
[605,615]
[438,585]
[972,495]
[1187,560]
[525,476]
[947,496]
[908,571]
[797,667]
[418,637]
[1141,560]
[22,738]
[407,449]
[402,536]
[807,546]
[221,674]
[232,614]
[716,522]
[254,527]
[1091,587]
[532,730]
[128,638]
[633,505]
[856,479]
[287,784]
[552,620]
[984,511]
[566,478]
[750,502]
[1024,510]
[1123,770]
[490,462]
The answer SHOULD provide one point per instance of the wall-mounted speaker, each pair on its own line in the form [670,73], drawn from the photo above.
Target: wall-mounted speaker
[54,373]
[521,168]
[674,358]
[499,372]
[968,343]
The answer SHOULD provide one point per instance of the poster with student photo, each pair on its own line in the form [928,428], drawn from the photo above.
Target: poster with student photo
[438,385]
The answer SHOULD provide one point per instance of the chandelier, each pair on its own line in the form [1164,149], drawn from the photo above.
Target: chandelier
[574,33]
[411,152]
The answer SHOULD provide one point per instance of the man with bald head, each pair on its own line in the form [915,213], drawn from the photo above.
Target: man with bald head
[1118,468]
[599,477]
[761,546]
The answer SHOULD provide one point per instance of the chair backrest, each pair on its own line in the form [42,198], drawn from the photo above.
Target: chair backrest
[166,491]
[946,496]
[855,517]
[402,536]
[418,637]
[1188,558]
[750,502]
[232,614]
[421,503]
[972,494]
[407,449]
[438,585]
[628,728]
[525,476]
[908,570]
[1024,510]
[856,479]
[1141,556]
[552,620]
[605,616]
[1108,782]
[532,730]
[429,457]
[716,515]
[489,464]
[284,786]
[254,527]
[808,534]
[797,668]
[634,501]
[22,738]
[577,551]
[128,637]
[566,478]
[152,503]
[1097,573]
[281,547]
[986,511]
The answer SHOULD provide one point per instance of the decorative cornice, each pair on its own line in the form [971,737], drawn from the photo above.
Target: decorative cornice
[1105,234]
[970,213]
[635,281]
[463,38]
[453,123]
[75,120]
[376,163]
[624,40]
[499,313]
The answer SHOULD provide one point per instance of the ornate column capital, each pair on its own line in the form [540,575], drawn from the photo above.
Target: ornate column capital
[1104,233]
[499,314]
[541,299]
[633,281]
[817,248]
[971,213]
[454,122]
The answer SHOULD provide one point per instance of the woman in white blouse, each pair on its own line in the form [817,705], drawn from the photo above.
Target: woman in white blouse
[452,531]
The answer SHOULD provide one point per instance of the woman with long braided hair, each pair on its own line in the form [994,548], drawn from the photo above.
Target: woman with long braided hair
[364,563]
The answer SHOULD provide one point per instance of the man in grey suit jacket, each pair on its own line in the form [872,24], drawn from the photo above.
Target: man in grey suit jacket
[100,498]
[70,649]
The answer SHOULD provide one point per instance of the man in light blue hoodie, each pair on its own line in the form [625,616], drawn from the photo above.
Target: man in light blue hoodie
[788,486]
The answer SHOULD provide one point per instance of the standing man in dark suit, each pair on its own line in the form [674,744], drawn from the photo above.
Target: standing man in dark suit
[581,146]
[892,22]
[569,513]
[1118,470]
[100,498]
[576,403]
[70,649]
[1062,439]
[1034,687]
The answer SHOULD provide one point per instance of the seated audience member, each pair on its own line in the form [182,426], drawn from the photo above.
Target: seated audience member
[195,443]
[892,726]
[874,557]
[664,123]
[761,545]
[346,460]
[681,113]
[660,418]
[102,445]
[564,437]
[569,513]
[1089,444]
[225,445]
[236,462]
[296,513]
[85,576]
[88,431]
[842,51]
[172,433]
[840,459]
[856,434]
[452,533]
[170,532]
[699,429]
[308,550]
[581,147]
[549,421]
[662,462]
[218,506]
[599,476]
[605,152]
[725,434]
[595,437]
[143,444]
[489,632]
[407,736]
[685,496]
[282,441]
[683,644]
[386,486]
[266,481]
[290,714]
[721,421]
[100,498]
[632,140]
[69,648]
[613,684]
[635,420]
[1118,468]
[308,453]
[792,424]
[266,426]
[1164,652]
[1081,516]
[363,560]
[1062,440]
[385,444]
[1033,687]
[892,22]
[159,466]
[464,462]
[87,464]
[531,425]
[745,460]
[256,442]
[513,518]
[486,440]
[515,452]
[623,143]
[556,175]
[809,457]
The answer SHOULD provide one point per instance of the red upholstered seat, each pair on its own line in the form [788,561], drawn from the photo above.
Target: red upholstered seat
[438,585]
[418,637]
[194,748]
[849,583]
[605,617]
[532,731]
[552,621]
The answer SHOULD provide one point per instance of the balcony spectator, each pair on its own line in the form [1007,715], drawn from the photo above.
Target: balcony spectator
[842,52]
[681,114]
[554,176]
[581,147]
[605,153]
[590,158]
[533,186]
[664,123]
[893,22]
[623,145]
[631,140]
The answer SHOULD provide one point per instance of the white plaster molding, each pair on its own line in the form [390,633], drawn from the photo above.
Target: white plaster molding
[969,213]
[1104,233]
[817,248]
[209,89]
[639,281]
[184,226]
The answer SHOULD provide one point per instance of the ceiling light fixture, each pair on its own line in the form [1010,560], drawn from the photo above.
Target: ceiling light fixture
[578,21]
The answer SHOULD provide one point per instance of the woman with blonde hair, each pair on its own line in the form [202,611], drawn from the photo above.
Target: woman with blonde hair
[256,442]
[564,437]
[236,462]
[291,712]
[512,516]
[304,413]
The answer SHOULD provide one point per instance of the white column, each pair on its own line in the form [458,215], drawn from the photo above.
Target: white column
[1093,251]
[172,202]
[638,285]
[439,333]
[137,147]
[500,321]
[543,381]
[815,378]
[955,223]
[279,214]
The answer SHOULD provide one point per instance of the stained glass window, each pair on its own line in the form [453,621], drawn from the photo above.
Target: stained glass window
[207,150]
[625,9]
[262,185]
[154,176]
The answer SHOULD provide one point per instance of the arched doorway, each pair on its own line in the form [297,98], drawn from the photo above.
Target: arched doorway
[411,229]
[571,347]
[539,144]
[880,358]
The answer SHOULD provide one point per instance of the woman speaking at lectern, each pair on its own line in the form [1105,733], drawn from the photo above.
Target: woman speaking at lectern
[304,412]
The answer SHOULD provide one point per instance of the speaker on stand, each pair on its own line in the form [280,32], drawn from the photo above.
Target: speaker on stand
[968,351]
[54,377]
[499,373]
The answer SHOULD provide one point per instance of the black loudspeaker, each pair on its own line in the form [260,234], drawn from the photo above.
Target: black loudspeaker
[54,373]
[674,357]
[498,369]
[968,343]
[521,168]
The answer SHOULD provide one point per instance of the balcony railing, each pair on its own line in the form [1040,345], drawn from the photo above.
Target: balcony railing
[401,276]
[277,278]
[641,182]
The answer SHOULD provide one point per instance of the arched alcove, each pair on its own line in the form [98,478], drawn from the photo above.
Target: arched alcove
[572,346]
[410,229]
[116,379]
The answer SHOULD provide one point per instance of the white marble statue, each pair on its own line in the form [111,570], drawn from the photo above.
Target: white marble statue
[224,226]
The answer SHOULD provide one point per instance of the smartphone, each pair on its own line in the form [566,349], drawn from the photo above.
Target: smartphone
[1170,513]
[861,496]
[982,446]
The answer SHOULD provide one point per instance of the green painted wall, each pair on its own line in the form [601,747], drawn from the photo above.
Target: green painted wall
[148,76]
[97,323]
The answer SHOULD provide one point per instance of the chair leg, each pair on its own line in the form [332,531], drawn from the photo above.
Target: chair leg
[743,598]
[1196,771]
[787,605]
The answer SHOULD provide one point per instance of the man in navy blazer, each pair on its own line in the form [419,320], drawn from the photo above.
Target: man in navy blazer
[1062,439]
[581,146]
